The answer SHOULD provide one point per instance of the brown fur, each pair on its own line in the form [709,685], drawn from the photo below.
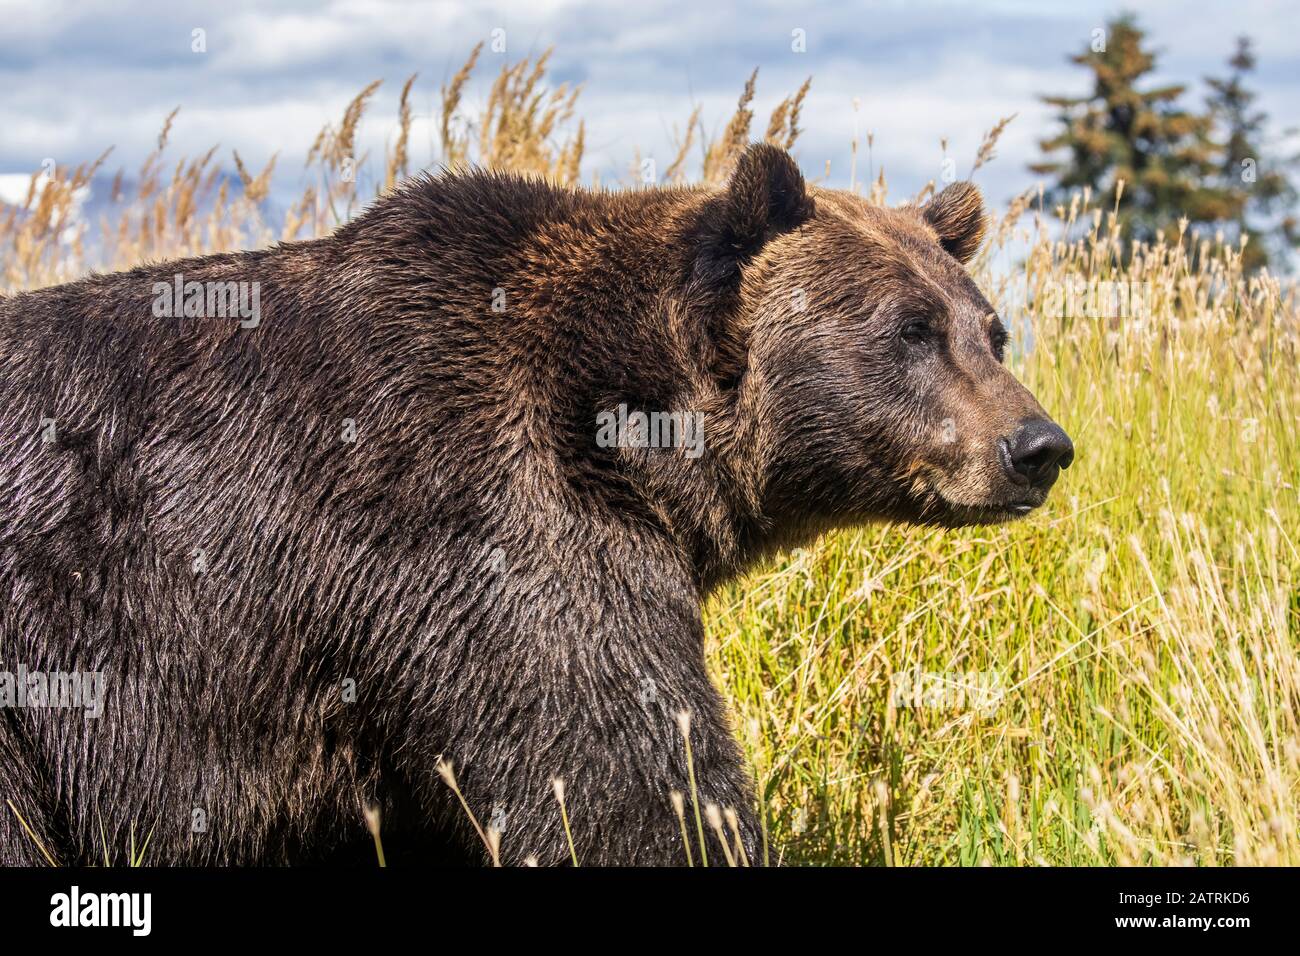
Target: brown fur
[504,591]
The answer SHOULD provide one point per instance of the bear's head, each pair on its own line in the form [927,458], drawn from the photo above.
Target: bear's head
[868,365]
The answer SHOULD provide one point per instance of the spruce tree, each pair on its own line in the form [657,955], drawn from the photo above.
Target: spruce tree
[1265,196]
[1124,130]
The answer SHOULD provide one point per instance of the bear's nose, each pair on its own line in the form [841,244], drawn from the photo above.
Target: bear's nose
[1035,453]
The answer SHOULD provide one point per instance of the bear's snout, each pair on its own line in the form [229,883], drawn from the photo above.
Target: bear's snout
[1035,453]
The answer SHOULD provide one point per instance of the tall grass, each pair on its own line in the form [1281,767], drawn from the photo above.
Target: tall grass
[1134,645]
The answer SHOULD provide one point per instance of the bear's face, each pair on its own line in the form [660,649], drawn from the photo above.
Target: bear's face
[875,366]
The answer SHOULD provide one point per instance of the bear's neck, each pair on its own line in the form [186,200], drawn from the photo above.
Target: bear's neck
[577,314]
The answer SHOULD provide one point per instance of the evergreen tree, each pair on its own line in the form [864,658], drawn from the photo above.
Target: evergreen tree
[1266,198]
[1165,155]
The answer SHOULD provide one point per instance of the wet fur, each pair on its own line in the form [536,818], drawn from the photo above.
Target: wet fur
[503,592]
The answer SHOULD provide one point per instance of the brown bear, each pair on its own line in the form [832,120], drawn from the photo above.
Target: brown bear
[286,528]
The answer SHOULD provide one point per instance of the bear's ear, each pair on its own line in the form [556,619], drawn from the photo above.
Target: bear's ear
[765,197]
[957,215]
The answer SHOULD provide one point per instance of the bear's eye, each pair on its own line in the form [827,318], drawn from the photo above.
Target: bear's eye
[916,330]
[998,339]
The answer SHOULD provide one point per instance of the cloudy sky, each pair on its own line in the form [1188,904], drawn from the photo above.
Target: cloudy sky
[81,76]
